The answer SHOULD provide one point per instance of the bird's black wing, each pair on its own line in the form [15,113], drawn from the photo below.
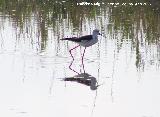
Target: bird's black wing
[86,37]
[75,39]
[79,39]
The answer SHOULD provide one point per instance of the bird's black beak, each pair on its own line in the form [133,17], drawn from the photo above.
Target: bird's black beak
[100,34]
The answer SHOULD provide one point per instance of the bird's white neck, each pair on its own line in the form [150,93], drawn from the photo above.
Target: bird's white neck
[94,36]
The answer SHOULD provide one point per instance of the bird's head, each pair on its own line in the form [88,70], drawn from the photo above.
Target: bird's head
[96,32]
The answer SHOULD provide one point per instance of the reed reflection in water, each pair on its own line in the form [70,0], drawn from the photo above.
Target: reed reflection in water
[123,66]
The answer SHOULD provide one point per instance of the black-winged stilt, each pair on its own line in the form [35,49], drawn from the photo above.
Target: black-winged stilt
[85,41]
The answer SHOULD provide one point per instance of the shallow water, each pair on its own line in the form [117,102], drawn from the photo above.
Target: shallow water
[34,62]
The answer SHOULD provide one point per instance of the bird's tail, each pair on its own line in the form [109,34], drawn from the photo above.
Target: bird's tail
[68,38]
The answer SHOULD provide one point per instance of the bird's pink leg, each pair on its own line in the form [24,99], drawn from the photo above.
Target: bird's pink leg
[83,59]
[70,51]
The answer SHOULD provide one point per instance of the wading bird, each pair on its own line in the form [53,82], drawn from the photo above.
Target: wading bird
[85,41]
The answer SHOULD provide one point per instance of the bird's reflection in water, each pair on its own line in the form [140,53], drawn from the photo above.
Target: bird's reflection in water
[84,78]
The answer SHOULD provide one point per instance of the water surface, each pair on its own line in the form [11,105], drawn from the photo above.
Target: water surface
[35,79]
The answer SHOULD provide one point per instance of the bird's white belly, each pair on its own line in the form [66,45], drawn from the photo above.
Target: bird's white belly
[87,43]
